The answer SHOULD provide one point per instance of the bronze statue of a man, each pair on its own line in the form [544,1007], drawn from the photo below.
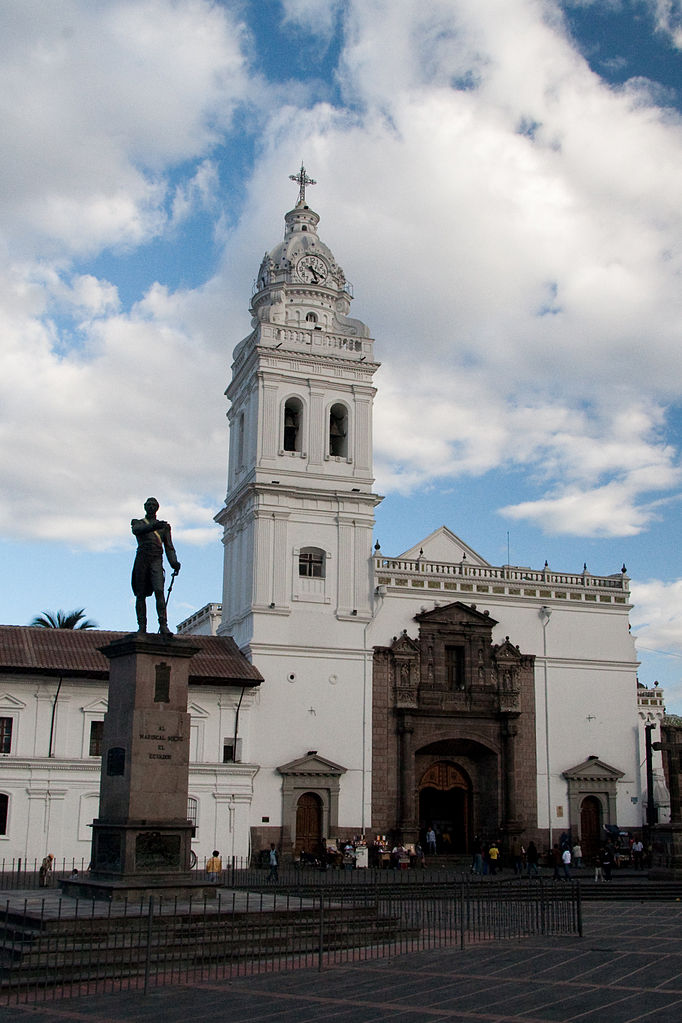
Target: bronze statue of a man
[153,537]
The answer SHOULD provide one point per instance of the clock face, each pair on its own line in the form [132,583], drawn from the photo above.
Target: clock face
[312,270]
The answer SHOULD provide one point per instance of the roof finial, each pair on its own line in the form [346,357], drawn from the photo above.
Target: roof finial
[303,180]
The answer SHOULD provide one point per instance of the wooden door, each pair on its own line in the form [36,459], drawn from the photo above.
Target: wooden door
[308,824]
[590,827]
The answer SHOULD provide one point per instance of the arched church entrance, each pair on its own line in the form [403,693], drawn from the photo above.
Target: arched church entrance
[590,826]
[308,824]
[445,803]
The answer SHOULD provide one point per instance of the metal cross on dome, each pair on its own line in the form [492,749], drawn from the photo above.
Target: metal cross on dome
[303,180]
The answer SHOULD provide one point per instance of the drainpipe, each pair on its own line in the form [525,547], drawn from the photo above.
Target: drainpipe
[545,615]
[379,593]
[236,725]
[54,713]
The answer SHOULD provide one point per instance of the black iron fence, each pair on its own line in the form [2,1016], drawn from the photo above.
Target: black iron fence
[53,947]
[254,873]
[237,872]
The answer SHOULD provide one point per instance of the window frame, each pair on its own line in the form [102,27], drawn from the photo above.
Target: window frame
[4,737]
[96,724]
[305,558]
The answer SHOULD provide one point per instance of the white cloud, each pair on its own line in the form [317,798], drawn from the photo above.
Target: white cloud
[198,193]
[657,626]
[511,223]
[657,615]
[97,102]
[316,16]
[668,15]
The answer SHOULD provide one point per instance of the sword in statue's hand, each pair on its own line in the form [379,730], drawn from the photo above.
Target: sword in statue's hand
[171,585]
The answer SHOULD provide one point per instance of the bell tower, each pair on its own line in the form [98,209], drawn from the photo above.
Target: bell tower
[299,511]
[298,521]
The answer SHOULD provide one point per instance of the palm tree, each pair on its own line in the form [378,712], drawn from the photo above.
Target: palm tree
[61,620]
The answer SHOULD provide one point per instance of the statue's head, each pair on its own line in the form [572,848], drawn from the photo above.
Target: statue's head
[151,506]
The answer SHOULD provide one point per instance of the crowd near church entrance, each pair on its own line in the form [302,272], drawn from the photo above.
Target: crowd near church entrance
[445,804]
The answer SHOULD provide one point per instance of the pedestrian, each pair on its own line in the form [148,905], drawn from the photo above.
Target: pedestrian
[493,856]
[214,867]
[273,860]
[638,853]
[607,862]
[598,870]
[431,841]
[556,862]
[517,856]
[566,860]
[532,859]
[577,854]
[45,871]
[477,862]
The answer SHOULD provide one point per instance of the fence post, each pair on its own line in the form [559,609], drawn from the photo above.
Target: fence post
[579,908]
[461,915]
[148,957]
[543,908]
[321,934]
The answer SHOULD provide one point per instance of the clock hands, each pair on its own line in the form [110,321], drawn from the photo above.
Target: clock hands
[312,269]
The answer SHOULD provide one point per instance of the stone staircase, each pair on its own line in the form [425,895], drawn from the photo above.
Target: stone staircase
[50,952]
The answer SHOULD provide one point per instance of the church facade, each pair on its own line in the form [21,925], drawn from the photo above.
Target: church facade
[427,688]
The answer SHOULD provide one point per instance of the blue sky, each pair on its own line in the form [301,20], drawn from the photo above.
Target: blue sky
[500,182]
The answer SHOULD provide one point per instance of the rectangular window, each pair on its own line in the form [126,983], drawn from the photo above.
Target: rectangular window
[311,564]
[96,732]
[230,755]
[6,734]
[454,667]
[4,806]
[240,442]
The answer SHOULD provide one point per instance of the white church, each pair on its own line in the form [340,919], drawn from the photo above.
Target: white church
[341,692]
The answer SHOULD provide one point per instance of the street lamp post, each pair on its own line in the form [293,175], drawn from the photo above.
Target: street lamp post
[651,808]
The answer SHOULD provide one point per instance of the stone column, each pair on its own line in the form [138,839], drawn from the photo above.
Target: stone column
[406,815]
[667,838]
[510,731]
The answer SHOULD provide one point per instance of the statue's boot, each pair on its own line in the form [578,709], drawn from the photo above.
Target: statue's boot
[163,619]
[141,611]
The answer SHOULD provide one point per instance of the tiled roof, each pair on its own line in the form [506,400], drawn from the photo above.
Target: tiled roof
[76,653]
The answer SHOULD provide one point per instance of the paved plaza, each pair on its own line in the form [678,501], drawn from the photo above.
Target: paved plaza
[626,968]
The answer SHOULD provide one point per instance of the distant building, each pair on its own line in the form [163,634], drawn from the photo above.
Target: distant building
[53,698]
[651,706]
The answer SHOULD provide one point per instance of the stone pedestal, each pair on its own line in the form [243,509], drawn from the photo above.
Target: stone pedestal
[666,840]
[141,841]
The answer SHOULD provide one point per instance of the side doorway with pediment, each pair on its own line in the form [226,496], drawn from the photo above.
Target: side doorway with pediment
[592,802]
[310,803]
